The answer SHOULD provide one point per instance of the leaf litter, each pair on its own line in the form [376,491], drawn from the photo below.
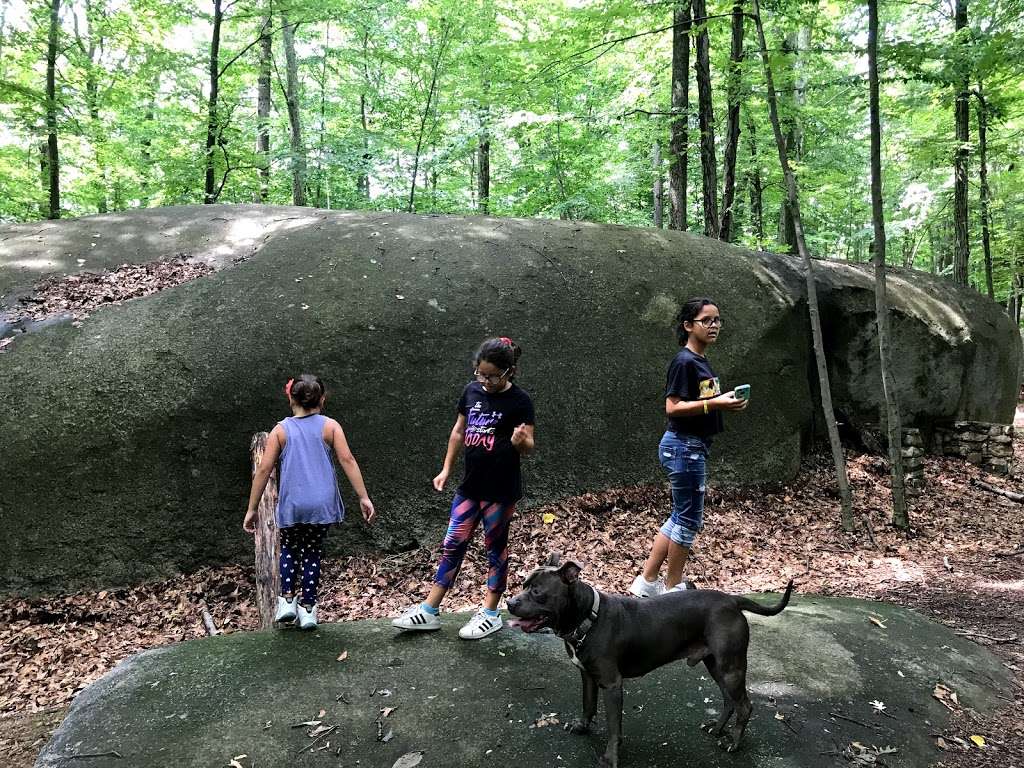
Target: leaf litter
[754,540]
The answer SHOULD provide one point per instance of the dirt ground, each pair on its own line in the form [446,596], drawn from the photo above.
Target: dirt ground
[960,564]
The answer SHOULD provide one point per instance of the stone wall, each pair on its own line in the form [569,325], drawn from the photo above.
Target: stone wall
[990,446]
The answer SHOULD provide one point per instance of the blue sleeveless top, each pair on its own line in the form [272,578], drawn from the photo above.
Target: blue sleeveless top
[307,486]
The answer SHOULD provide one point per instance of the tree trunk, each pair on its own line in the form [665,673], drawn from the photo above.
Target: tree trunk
[793,44]
[706,120]
[268,545]
[756,186]
[732,125]
[294,118]
[322,182]
[893,423]
[436,70]
[52,155]
[263,107]
[679,130]
[363,182]
[962,249]
[659,204]
[212,128]
[147,143]
[838,458]
[984,192]
[483,162]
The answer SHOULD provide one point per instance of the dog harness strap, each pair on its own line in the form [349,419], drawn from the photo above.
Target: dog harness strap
[580,633]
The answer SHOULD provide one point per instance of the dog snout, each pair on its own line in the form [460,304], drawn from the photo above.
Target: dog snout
[512,604]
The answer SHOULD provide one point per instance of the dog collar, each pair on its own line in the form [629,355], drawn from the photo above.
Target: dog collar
[580,633]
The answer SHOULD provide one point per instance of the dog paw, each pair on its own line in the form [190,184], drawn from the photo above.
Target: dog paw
[578,726]
[727,743]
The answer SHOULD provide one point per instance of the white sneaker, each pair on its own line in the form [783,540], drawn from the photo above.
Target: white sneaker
[481,625]
[306,619]
[641,587]
[418,619]
[682,586]
[285,609]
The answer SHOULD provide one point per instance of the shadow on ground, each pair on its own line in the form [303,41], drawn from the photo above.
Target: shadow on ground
[205,702]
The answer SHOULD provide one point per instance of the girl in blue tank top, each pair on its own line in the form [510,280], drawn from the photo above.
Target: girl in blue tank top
[308,500]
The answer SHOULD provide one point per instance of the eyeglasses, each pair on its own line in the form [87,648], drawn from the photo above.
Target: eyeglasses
[491,378]
[710,322]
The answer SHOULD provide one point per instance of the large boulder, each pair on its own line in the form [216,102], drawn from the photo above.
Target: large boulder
[125,440]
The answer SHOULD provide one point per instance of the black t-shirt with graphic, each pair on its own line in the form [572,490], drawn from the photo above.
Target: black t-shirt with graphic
[690,378]
[492,462]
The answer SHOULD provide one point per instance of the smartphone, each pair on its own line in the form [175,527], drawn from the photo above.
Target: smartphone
[742,392]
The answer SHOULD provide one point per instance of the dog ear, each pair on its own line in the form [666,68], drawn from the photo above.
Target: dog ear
[570,571]
[554,558]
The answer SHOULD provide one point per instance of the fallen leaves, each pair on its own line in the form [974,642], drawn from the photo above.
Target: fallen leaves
[408,760]
[946,697]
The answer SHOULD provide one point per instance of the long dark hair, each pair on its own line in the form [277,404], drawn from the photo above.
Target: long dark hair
[688,313]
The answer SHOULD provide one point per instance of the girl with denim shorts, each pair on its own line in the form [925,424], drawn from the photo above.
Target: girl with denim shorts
[693,404]
[308,502]
[494,426]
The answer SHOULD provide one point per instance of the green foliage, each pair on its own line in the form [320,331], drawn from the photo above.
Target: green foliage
[572,96]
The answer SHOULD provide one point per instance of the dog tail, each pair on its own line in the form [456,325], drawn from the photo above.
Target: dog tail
[749,605]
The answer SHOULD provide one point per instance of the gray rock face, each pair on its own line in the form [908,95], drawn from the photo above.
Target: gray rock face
[201,702]
[125,447]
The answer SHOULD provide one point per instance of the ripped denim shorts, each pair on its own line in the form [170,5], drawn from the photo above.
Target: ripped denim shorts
[684,459]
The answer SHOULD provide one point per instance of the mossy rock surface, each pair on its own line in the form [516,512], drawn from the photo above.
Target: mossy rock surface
[473,703]
[126,439]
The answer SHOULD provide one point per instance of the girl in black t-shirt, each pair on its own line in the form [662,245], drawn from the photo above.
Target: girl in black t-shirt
[495,426]
[693,404]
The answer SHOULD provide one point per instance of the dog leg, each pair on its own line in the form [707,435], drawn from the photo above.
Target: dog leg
[613,711]
[581,725]
[735,681]
[717,728]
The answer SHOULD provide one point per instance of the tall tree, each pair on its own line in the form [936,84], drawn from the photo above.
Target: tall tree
[210,191]
[266,55]
[52,154]
[435,73]
[983,191]
[756,185]
[894,428]
[962,118]
[292,99]
[793,204]
[794,44]
[659,205]
[732,124]
[483,158]
[706,121]
[679,130]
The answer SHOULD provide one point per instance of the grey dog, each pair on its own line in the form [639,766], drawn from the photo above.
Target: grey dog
[610,637]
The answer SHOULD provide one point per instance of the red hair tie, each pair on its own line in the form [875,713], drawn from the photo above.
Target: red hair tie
[288,388]
[505,340]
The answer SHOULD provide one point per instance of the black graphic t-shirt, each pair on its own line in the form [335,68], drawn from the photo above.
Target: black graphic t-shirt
[690,378]
[492,462]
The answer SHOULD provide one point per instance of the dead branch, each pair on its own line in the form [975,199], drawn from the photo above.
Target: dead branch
[1011,495]
[211,628]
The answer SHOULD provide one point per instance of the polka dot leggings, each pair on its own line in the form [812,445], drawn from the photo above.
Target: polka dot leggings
[301,546]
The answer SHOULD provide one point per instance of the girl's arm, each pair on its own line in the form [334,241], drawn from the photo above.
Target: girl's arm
[261,476]
[351,468]
[522,439]
[454,446]
[675,406]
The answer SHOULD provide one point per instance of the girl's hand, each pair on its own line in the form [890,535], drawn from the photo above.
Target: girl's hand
[249,523]
[440,480]
[366,507]
[522,438]
[729,402]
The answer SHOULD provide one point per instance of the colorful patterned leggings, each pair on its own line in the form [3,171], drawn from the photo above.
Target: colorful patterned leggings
[302,542]
[465,515]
